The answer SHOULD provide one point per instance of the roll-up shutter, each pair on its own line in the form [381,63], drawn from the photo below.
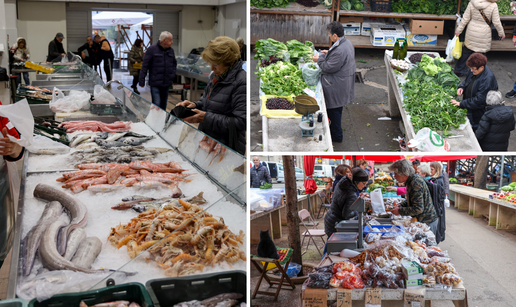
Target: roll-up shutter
[78,26]
[166,21]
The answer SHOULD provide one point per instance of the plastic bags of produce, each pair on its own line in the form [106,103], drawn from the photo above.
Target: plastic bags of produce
[319,280]
[457,49]
[102,96]
[76,100]
[311,73]
[449,49]
[428,140]
[377,202]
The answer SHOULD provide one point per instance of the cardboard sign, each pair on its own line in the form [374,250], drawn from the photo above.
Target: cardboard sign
[373,297]
[414,297]
[315,298]
[343,297]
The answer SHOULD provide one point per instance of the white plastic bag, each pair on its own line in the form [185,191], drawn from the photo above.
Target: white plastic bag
[311,75]
[76,100]
[447,202]
[449,49]
[102,96]
[377,202]
[45,146]
[428,140]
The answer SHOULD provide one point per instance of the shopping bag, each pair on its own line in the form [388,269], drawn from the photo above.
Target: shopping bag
[428,140]
[377,202]
[449,49]
[457,49]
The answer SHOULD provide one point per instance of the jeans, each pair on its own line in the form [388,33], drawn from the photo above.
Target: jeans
[335,117]
[108,69]
[160,96]
[25,77]
[514,87]
[461,66]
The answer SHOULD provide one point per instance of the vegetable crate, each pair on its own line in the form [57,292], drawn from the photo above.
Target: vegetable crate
[381,6]
[133,292]
[373,229]
[13,303]
[169,291]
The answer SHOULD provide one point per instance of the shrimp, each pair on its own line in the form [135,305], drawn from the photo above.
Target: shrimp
[174,270]
[221,253]
[185,257]
[200,234]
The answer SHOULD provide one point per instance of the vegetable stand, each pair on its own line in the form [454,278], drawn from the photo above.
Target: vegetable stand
[459,140]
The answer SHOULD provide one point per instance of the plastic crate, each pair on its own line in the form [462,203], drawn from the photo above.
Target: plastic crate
[107,109]
[133,292]
[367,230]
[166,292]
[381,6]
[32,100]
[18,302]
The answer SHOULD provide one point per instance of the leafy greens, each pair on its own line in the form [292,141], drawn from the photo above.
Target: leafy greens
[265,48]
[281,79]
[299,50]
[269,3]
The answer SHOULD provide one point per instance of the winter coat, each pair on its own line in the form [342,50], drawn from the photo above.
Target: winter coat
[136,55]
[91,58]
[21,55]
[337,179]
[495,128]
[477,103]
[418,202]
[438,196]
[55,49]
[161,65]
[478,34]
[259,174]
[225,102]
[344,195]
[446,183]
[338,74]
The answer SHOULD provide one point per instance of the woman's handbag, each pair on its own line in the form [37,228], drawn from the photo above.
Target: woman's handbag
[137,66]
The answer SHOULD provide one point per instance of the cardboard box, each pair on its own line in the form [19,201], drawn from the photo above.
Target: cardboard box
[430,27]
[368,22]
[346,19]
[412,270]
[413,283]
[420,39]
[386,35]
[352,28]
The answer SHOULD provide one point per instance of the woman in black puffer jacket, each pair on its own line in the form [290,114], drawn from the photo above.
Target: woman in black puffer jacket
[344,195]
[221,111]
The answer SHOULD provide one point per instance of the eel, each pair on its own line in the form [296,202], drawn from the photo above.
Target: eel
[87,252]
[79,213]
[31,242]
[74,240]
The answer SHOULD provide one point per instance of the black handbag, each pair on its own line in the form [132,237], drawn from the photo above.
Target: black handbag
[3,74]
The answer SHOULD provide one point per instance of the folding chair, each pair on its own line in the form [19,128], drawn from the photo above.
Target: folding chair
[265,264]
[311,233]
[325,203]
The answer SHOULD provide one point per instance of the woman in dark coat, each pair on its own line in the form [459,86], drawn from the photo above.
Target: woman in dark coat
[344,195]
[496,125]
[479,81]
[135,57]
[341,171]
[221,111]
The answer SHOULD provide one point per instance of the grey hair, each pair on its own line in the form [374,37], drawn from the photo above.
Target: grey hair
[164,35]
[494,98]
[402,167]
[425,169]
[240,40]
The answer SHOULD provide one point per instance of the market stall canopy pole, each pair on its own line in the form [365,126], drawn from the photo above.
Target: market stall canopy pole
[431,158]
[310,186]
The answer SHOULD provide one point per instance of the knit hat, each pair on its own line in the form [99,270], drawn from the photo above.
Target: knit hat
[494,98]
[360,175]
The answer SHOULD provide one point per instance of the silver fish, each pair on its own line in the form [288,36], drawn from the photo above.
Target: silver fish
[31,242]
[100,135]
[115,136]
[87,252]
[136,141]
[109,144]
[136,197]
[79,138]
[79,213]
[87,147]
[74,240]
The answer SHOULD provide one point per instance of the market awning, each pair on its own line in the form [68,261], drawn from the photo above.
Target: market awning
[138,26]
[332,157]
[431,158]
[378,158]
[107,19]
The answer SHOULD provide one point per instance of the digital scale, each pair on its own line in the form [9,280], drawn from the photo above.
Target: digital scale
[306,106]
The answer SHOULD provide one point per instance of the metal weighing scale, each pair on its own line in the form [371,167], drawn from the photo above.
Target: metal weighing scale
[306,106]
[350,239]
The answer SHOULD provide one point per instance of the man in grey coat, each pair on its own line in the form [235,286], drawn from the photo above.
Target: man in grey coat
[337,77]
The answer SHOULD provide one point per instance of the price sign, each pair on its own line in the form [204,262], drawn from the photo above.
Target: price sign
[414,297]
[373,297]
[343,297]
[316,297]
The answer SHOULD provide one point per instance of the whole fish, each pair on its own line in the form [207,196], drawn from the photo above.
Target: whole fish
[78,212]
[136,197]
[109,144]
[31,242]
[74,240]
[87,252]
[79,138]
[213,301]
[136,141]
[87,147]
[115,136]
[140,208]
[105,187]
[100,135]
[129,204]
[130,133]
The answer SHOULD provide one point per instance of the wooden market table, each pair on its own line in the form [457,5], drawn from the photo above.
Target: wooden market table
[458,294]
[501,214]
[466,142]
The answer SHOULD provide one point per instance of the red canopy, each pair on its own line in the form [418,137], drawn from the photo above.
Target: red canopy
[310,185]
[336,157]
[379,158]
[430,158]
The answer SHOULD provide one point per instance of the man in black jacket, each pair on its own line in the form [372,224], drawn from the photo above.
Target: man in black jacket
[105,53]
[259,174]
[55,48]
[92,48]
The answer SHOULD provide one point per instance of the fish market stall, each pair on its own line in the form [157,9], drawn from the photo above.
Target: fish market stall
[148,196]
[459,137]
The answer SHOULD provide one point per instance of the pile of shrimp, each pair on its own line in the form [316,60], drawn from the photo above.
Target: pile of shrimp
[190,238]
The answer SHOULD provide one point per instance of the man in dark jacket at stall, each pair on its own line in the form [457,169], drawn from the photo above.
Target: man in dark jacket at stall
[160,62]
[496,124]
[337,77]
[259,174]
[105,53]
[55,48]
[92,48]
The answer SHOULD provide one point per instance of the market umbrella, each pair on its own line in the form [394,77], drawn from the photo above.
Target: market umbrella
[107,19]
[336,157]
[310,185]
[138,26]
[431,158]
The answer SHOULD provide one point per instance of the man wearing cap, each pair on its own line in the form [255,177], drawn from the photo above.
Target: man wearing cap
[55,48]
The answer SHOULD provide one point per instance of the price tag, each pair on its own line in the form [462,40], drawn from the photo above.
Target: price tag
[373,297]
[343,297]
[316,297]
[414,297]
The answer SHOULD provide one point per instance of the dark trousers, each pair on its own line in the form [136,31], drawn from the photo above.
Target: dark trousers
[108,65]
[160,96]
[135,81]
[335,117]
[461,66]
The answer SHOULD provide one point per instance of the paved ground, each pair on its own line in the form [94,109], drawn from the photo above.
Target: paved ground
[362,129]
[483,256]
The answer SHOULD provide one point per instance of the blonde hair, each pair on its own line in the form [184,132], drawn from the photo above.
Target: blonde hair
[221,50]
[22,41]
[240,41]
[438,168]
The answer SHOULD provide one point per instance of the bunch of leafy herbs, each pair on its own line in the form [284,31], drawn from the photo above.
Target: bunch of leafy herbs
[265,48]
[269,3]
[504,7]
[427,97]
[437,7]
[281,79]
[299,50]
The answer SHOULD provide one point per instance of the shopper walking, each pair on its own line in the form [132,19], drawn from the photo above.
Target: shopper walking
[479,16]
[479,81]
[496,124]
[105,54]
[55,48]
[22,54]
[418,202]
[259,174]
[135,63]
[337,77]
[89,51]
[161,64]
